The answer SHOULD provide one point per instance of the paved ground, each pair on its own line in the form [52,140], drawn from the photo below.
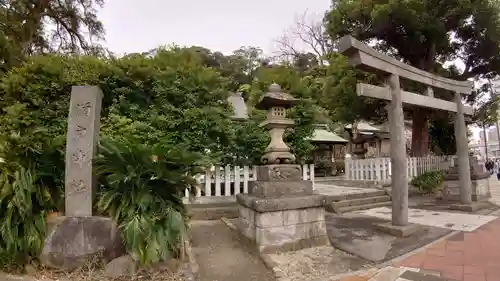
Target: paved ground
[453,221]
[465,256]
[221,257]
[357,235]
[472,254]
[332,189]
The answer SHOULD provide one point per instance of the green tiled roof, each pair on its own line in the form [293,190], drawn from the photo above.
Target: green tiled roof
[322,135]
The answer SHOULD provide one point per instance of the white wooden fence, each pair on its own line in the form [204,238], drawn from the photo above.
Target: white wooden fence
[379,169]
[232,180]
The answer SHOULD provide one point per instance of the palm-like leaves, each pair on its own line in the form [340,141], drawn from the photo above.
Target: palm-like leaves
[142,188]
[23,202]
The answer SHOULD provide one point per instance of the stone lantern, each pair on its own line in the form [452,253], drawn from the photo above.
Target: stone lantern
[276,103]
[281,211]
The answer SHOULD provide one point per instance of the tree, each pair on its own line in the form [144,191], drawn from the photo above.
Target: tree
[308,32]
[425,34]
[169,98]
[30,27]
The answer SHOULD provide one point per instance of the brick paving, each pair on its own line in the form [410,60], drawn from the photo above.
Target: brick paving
[466,256]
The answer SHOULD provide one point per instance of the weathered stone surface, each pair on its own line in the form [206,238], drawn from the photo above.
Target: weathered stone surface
[283,234]
[471,208]
[121,267]
[280,204]
[247,228]
[480,190]
[269,219]
[72,241]
[397,230]
[280,188]
[282,172]
[285,230]
[81,146]
[291,217]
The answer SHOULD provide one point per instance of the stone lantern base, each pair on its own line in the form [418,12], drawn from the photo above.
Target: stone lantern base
[281,213]
[479,179]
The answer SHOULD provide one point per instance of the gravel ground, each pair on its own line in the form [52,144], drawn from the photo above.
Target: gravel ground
[314,263]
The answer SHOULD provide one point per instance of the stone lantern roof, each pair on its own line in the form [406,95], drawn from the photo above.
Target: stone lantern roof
[276,98]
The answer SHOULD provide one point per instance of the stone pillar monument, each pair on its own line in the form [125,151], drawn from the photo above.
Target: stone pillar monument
[281,213]
[83,133]
[78,236]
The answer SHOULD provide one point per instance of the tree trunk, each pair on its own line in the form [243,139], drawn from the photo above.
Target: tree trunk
[420,132]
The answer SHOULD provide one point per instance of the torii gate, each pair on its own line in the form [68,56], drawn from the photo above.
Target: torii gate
[361,55]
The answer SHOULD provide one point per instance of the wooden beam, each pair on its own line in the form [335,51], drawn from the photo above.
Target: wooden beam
[361,54]
[384,93]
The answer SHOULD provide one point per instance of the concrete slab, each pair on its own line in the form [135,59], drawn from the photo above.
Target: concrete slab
[334,190]
[470,208]
[396,230]
[453,221]
[356,234]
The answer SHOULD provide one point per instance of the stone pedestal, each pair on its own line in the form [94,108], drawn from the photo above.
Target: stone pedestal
[480,184]
[72,242]
[281,213]
[480,188]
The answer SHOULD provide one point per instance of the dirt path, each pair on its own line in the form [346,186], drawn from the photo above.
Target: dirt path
[221,257]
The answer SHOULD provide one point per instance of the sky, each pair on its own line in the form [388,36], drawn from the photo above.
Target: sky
[219,25]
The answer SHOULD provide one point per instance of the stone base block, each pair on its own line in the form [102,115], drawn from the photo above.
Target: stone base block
[72,241]
[279,172]
[282,229]
[471,208]
[397,230]
[280,188]
[480,190]
[262,205]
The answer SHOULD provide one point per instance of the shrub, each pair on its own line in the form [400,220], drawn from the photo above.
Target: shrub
[142,189]
[428,182]
[24,201]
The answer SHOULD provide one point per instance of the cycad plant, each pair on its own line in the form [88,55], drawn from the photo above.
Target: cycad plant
[142,189]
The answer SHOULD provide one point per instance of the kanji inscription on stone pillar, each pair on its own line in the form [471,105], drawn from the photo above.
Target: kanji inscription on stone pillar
[81,147]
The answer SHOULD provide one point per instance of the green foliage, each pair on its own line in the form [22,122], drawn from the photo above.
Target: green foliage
[425,34]
[46,26]
[305,114]
[340,96]
[169,98]
[428,182]
[142,189]
[24,202]
[442,136]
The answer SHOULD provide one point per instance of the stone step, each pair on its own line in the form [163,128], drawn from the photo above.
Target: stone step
[359,207]
[351,196]
[361,201]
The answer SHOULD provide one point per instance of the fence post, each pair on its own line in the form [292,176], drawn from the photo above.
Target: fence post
[378,175]
[227,181]
[208,183]
[311,173]
[347,168]
[254,173]
[217,181]
[237,186]
[246,178]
